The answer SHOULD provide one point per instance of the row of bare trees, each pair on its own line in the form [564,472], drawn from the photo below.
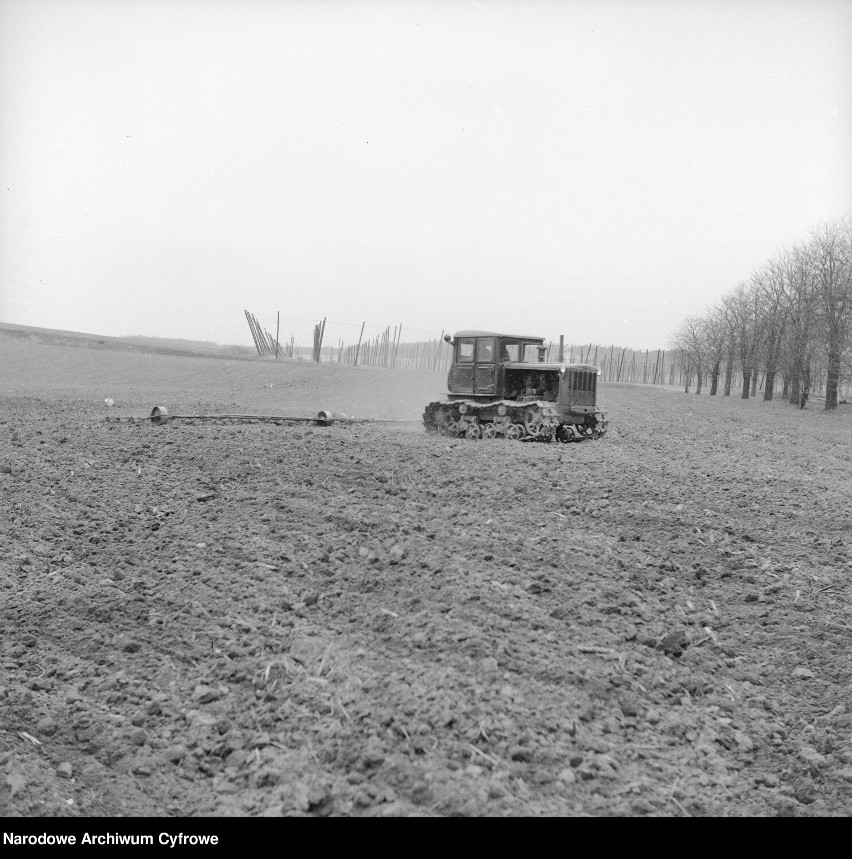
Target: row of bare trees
[791,322]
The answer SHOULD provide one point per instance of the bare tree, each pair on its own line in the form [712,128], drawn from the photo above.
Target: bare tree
[744,307]
[728,319]
[770,286]
[689,339]
[716,345]
[801,318]
[831,266]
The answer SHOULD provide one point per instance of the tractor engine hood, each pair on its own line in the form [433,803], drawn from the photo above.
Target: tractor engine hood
[549,365]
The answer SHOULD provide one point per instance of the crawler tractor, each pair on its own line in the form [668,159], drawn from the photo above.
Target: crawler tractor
[502,385]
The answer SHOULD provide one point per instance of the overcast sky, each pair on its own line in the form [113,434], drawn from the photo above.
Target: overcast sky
[596,169]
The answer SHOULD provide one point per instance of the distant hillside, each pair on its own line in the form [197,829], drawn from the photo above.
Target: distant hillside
[135,343]
[201,347]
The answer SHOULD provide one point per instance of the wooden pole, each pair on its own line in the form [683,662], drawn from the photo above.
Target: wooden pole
[437,352]
[277,331]
[319,330]
[261,335]
[358,352]
[253,323]
[561,348]
[257,331]
[396,348]
[254,333]
[256,345]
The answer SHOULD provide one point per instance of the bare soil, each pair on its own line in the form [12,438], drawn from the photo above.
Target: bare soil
[201,619]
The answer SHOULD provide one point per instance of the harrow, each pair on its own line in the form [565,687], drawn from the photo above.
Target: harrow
[160,416]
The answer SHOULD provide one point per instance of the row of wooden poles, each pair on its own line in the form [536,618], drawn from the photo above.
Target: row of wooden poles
[264,342]
[387,350]
[383,350]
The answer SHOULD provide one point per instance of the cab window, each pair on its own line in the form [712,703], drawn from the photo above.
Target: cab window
[485,351]
[466,351]
[510,352]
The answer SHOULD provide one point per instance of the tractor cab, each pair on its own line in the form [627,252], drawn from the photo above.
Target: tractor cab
[480,359]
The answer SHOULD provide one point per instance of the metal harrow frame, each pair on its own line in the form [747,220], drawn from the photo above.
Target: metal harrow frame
[160,416]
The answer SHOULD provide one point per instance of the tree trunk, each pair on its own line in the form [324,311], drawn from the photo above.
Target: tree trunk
[698,382]
[785,391]
[754,383]
[714,378]
[806,384]
[729,374]
[771,367]
[800,376]
[795,388]
[832,376]
[746,383]
[769,385]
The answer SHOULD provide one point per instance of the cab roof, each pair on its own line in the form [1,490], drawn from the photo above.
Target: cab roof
[497,334]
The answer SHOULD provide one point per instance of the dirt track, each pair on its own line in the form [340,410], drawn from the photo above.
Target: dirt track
[253,620]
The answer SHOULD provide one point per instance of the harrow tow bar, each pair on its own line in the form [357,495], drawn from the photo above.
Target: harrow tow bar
[160,415]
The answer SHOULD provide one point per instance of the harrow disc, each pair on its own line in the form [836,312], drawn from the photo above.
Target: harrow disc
[160,415]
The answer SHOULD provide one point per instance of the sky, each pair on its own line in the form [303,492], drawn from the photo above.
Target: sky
[598,170]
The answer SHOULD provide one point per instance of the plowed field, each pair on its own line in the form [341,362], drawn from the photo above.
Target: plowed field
[363,619]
